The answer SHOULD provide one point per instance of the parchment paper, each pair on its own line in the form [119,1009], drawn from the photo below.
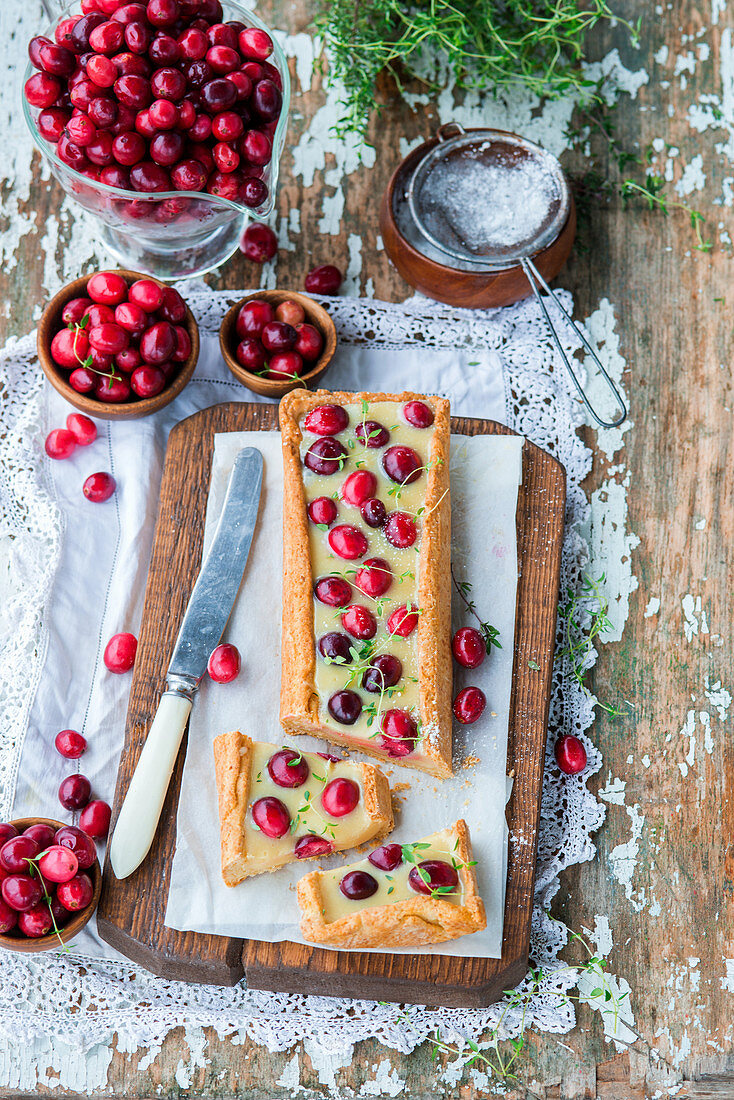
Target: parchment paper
[485,475]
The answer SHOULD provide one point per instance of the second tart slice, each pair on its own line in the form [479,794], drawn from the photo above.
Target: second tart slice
[277,805]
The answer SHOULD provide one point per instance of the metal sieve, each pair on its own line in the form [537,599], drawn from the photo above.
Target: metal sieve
[531,205]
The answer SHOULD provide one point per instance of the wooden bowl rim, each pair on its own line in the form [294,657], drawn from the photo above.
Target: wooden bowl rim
[268,387]
[78,920]
[50,319]
[433,266]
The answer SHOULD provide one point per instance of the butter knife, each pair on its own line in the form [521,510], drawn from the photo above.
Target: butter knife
[209,608]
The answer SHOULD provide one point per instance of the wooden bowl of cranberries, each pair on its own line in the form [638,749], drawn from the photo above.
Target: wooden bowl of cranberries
[277,340]
[118,345]
[50,882]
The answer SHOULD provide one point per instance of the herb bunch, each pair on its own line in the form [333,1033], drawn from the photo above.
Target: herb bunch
[487,45]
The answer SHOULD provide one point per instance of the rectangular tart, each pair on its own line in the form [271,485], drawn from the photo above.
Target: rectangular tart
[306,786]
[349,688]
[406,895]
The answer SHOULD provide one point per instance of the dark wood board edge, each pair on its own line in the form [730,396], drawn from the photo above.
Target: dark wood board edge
[289,967]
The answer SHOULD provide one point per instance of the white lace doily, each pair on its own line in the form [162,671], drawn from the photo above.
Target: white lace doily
[85,1001]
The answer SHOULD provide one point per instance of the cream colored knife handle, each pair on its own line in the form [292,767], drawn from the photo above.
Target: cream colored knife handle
[141,809]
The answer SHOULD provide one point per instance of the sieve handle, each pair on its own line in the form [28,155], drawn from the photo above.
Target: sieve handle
[449,130]
[533,274]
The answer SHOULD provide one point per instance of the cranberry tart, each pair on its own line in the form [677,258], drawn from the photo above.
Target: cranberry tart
[366,583]
[277,805]
[402,895]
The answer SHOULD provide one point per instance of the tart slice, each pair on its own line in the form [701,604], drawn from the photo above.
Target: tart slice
[277,805]
[366,574]
[405,895]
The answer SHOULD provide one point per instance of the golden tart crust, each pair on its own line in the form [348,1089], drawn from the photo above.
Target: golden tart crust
[300,706]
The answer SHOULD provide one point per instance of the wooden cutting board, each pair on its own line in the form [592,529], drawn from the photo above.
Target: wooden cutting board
[131,912]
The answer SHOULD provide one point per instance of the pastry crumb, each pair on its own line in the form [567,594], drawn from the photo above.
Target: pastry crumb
[401,787]
[470,762]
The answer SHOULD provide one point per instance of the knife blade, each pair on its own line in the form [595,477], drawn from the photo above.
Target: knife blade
[205,619]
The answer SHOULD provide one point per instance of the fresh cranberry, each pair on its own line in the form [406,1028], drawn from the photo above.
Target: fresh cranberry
[399,733]
[130,64]
[112,391]
[99,150]
[228,126]
[158,343]
[81,130]
[223,59]
[100,315]
[128,360]
[21,892]
[58,864]
[163,114]
[16,852]
[147,381]
[146,294]
[358,885]
[253,192]
[95,818]
[359,487]
[326,420]
[290,312]
[131,318]
[56,59]
[8,917]
[69,348]
[259,244]
[149,178]
[163,13]
[384,672]
[82,380]
[218,94]
[107,38]
[35,922]
[400,530]
[433,874]
[107,288]
[255,43]
[82,29]
[253,317]
[325,456]
[183,345]
[72,154]
[288,768]
[243,87]
[70,744]
[336,647]
[402,464]
[77,841]
[386,858]
[266,101]
[34,49]
[173,307]
[120,651]
[7,832]
[75,894]
[402,621]
[271,817]
[60,443]
[75,310]
[166,148]
[359,622]
[285,366]
[278,336]
[51,123]
[373,512]
[129,13]
[374,577]
[347,541]
[309,846]
[340,797]
[128,148]
[371,434]
[322,510]
[469,705]
[108,339]
[42,834]
[333,591]
[224,663]
[102,70]
[325,279]
[468,647]
[42,90]
[193,43]
[570,754]
[82,428]
[256,147]
[345,707]
[250,354]
[74,792]
[222,34]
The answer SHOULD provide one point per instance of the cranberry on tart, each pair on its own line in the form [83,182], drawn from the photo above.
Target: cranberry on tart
[366,659]
[401,895]
[277,805]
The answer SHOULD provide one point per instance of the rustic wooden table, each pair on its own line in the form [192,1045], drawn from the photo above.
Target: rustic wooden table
[662,528]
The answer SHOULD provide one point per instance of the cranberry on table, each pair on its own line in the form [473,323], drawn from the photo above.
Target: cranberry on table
[271,817]
[374,512]
[399,733]
[260,244]
[253,317]
[400,530]
[95,818]
[224,663]
[326,420]
[387,857]
[402,464]
[16,852]
[469,705]
[347,542]
[74,792]
[333,591]
[440,875]
[21,892]
[309,343]
[42,834]
[58,864]
[345,707]
[336,647]
[340,797]
[289,311]
[402,621]
[285,366]
[288,768]
[120,651]
[370,433]
[570,754]
[468,647]
[374,577]
[75,894]
[325,456]
[322,510]
[359,622]
[60,443]
[77,841]
[384,672]
[309,846]
[325,279]
[70,744]
[358,885]
[359,487]
[82,428]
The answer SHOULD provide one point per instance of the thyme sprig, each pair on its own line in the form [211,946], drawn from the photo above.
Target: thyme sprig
[489,633]
[77,327]
[585,617]
[33,870]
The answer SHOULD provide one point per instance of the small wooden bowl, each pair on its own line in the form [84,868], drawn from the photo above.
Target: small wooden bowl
[58,377]
[14,941]
[316,315]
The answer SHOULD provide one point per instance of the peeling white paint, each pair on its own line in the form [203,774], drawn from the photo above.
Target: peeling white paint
[727,982]
[327,1063]
[719,698]
[653,606]
[611,546]
[290,1078]
[693,178]
[600,327]
[606,993]
[694,616]
[614,791]
[623,859]
[387,1082]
